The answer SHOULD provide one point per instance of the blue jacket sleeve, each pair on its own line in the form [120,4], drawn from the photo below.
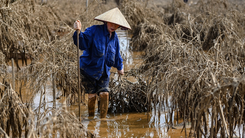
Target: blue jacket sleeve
[118,59]
[85,38]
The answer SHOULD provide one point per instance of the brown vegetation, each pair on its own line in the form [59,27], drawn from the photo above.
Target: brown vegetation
[194,64]
[196,61]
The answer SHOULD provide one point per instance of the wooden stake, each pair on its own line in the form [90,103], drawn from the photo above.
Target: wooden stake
[54,99]
[78,74]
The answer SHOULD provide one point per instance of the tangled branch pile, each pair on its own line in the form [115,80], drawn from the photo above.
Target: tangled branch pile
[126,96]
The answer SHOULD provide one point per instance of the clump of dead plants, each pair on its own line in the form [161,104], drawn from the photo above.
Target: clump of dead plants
[18,119]
[60,122]
[195,68]
[14,114]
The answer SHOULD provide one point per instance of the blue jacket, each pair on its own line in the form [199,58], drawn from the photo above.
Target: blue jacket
[100,52]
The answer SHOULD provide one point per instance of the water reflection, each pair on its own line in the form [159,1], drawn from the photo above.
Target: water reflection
[124,47]
[123,125]
[130,125]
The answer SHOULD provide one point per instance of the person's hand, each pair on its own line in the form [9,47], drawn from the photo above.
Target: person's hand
[77,25]
[120,72]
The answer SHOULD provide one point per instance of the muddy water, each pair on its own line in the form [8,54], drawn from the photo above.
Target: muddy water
[135,125]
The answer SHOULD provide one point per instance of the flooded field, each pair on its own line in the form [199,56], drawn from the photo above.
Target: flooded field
[184,70]
[143,125]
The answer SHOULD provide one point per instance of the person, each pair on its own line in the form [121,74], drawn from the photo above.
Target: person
[101,52]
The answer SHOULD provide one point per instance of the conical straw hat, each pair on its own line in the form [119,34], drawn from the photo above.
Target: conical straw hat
[114,16]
